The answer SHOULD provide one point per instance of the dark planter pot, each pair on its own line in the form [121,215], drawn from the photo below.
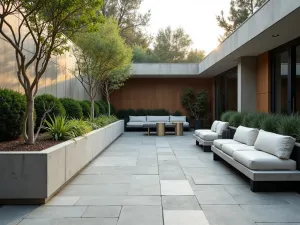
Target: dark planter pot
[198,124]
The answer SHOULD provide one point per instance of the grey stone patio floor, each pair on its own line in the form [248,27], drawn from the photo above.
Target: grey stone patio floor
[149,180]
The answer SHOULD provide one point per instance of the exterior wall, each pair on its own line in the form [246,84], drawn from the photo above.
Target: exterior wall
[247,84]
[263,83]
[159,93]
[58,79]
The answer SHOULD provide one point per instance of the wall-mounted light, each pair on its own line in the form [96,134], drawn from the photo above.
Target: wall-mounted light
[275,35]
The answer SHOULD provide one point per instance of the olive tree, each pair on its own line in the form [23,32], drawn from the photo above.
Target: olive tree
[99,56]
[45,25]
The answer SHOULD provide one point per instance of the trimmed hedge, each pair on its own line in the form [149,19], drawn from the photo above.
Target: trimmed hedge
[12,112]
[86,109]
[47,100]
[280,124]
[72,107]
[125,113]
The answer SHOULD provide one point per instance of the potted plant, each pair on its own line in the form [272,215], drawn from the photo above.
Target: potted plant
[196,105]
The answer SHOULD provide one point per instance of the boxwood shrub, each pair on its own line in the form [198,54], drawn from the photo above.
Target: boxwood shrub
[226,116]
[72,107]
[86,109]
[46,101]
[12,112]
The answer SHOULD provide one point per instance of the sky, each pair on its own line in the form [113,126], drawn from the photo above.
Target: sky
[196,17]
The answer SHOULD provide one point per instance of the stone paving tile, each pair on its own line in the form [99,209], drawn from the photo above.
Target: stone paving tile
[244,196]
[95,190]
[184,217]
[102,179]
[141,215]
[109,170]
[143,170]
[63,200]
[176,187]
[273,213]
[226,215]
[120,200]
[144,185]
[191,163]
[217,179]
[146,162]
[180,203]
[13,214]
[70,221]
[57,212]
[115,161]
[164,150]
[213,197]
[102,211]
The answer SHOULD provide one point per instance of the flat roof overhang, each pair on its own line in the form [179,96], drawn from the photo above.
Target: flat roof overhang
[255,36]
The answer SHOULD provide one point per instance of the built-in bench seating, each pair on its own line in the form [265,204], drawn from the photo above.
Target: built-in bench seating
[270,160]
[137,122]
[205,138]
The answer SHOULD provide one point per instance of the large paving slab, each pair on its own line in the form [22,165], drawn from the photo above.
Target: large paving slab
[150,180]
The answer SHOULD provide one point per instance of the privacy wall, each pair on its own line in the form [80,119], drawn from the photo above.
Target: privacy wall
[58,79]
[159,93]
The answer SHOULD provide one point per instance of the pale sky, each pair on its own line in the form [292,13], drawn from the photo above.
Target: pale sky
[196,17]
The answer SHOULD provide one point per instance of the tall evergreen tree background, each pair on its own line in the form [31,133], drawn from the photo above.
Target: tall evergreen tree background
[240,10]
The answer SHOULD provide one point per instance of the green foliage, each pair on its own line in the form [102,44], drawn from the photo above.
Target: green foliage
[196,104]
[86,109]
[12,112]
[125,113]
[59,128]
[271,123]
[225,117]
[103,121]
[236,119]
[257,121]
[80,127]
[48,102]
[195,56]
[239,11]
[158,112]
[96,109]
[72,107]
[289,125]
[172,46]
[141,112]
[130,20]
[177,113]
[102,107]
[141,55]
[248,118]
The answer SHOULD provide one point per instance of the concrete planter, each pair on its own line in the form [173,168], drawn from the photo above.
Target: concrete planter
[34,177]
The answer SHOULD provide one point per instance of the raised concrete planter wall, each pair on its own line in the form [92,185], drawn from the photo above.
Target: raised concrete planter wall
[34,177]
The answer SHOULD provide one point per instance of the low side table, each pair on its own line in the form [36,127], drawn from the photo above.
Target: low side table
[179,129]
[160,128]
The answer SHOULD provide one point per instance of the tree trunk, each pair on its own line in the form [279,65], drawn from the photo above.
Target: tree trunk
[30,119]
[92,108]
[108,103]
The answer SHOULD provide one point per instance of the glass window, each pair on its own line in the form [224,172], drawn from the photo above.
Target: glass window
[281,82]
[297,102]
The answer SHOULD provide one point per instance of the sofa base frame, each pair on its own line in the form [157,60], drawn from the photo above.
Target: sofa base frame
[206,145]
[261,181]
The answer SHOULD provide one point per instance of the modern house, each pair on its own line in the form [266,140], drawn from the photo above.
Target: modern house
[257,68]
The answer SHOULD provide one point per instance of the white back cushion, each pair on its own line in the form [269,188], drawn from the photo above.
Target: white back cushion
[275,144]
[178,119]
[137,118]
[214,125]
[158,118]
[221,127]
[246,135]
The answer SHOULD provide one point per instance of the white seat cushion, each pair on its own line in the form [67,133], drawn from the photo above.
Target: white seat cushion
[275,144]
[257,160]
[246,135]
[207,135]
[177,118]
[137,118]
[158,119]
[229,149]
[221,127]
[214,125]
[197,132]
[135,124]
[186,124]
[218,143]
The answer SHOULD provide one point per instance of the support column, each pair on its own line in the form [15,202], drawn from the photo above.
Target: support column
[247,84]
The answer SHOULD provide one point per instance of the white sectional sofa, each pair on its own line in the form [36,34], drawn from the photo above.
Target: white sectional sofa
[263,157]
[137,122]
[206,138]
